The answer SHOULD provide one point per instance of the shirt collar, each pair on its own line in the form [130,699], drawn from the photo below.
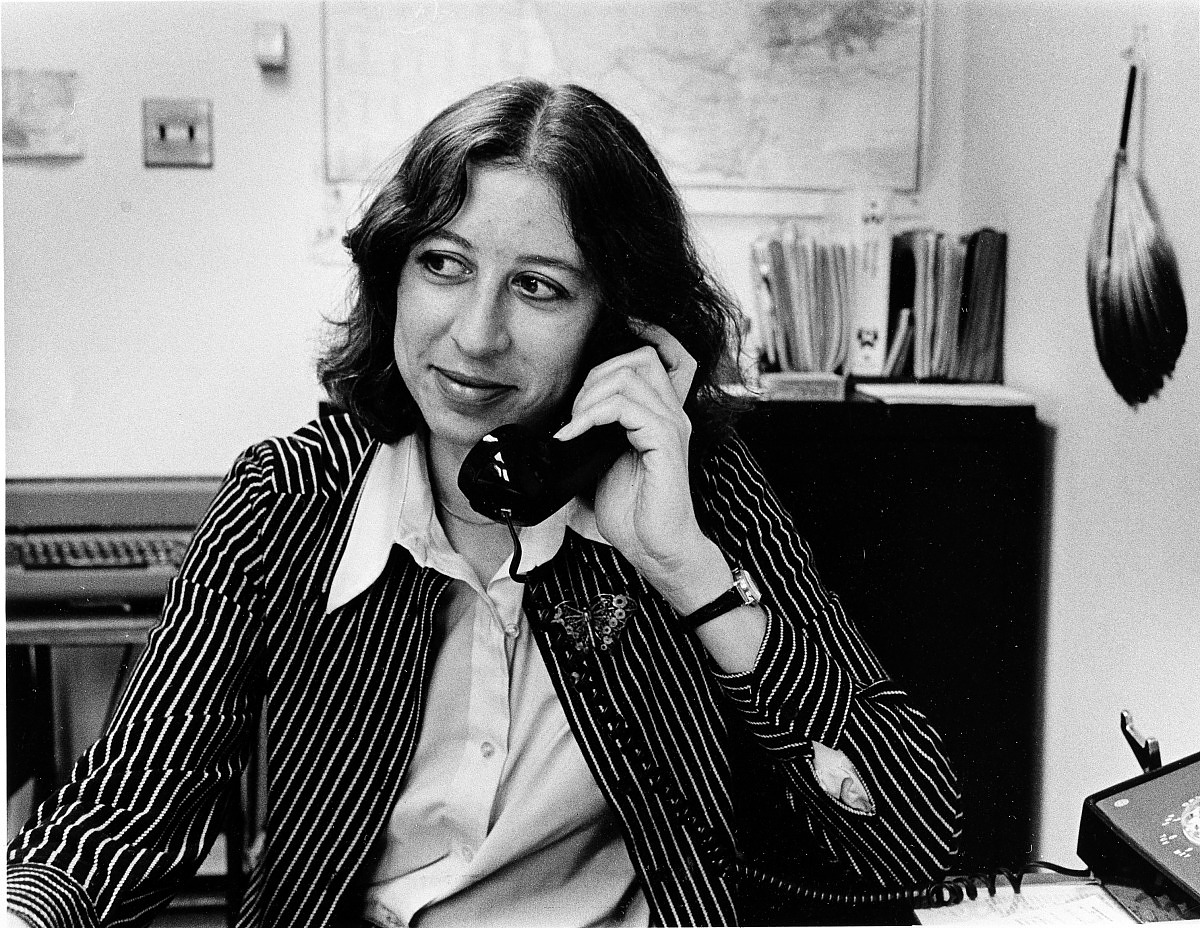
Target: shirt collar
[395,507]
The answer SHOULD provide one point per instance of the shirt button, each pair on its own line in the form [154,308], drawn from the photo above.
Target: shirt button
[487,749]
[512,630]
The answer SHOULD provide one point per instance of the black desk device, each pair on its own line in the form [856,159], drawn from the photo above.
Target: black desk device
[1146,831]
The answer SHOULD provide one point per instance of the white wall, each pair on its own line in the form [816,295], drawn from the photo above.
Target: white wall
[183,306]
[157,321]
[1044,90]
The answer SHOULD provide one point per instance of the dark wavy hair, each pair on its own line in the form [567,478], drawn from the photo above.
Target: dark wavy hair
[623,212]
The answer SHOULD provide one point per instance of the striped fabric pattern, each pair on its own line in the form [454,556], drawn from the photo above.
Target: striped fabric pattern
[675,745]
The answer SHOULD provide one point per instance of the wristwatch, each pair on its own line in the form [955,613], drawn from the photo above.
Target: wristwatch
[744,592]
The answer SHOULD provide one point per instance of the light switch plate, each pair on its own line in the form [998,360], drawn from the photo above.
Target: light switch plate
[271,46]
[177,133]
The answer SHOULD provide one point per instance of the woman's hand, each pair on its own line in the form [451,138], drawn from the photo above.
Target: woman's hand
[644,504]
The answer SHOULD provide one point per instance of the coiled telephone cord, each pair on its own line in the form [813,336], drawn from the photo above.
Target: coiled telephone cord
[586,671]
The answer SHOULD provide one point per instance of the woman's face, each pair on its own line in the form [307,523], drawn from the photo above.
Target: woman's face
[493,310]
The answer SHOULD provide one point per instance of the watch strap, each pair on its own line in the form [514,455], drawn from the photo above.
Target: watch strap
[744,592]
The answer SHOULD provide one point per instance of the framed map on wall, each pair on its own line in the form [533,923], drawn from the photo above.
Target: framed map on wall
[763,96]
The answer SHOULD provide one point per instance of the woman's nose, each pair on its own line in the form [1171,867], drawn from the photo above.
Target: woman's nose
[480,326]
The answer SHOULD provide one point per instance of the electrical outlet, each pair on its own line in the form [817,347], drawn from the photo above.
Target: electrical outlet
[177,133]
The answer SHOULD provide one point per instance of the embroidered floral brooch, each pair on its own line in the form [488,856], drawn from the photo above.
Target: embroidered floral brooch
[597,624]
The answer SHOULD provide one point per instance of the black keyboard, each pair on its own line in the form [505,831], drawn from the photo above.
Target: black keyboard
[91,550]
[124,565]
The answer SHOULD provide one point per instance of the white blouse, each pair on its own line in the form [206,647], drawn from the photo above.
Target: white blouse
[500,820]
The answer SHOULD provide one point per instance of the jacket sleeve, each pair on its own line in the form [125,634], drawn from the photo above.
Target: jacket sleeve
[144,803]
[865,774]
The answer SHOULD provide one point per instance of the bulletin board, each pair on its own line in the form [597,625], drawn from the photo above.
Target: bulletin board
[761,97]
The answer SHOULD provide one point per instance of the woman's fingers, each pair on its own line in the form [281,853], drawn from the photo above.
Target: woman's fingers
[601,400]
[664,352]
[656,377]
[679,365]
[645,361]
[644,425]
[648,362]
[638,367]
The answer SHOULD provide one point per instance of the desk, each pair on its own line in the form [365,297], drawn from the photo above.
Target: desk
[41,632]
[92,631]
[1052,899]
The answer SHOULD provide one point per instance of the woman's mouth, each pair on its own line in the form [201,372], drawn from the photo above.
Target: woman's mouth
[470,388]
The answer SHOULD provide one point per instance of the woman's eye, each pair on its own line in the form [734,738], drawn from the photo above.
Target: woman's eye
[538,288]
[442,265]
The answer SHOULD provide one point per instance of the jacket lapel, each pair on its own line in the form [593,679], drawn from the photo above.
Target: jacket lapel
[343,713]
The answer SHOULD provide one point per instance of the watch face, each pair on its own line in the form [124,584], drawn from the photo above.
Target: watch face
[747,587]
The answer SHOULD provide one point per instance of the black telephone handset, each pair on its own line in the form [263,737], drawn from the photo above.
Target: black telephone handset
[521,476]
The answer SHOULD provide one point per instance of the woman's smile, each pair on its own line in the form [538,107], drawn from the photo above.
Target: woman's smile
[470,389]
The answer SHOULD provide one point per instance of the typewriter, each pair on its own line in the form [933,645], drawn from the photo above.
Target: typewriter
[101,540]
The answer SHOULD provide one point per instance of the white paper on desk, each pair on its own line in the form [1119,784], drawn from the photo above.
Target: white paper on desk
[1036,904]
[945,394]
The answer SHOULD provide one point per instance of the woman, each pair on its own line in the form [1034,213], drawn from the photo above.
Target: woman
[598,746]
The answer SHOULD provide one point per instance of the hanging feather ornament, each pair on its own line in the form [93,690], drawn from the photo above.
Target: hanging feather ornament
[1139,319]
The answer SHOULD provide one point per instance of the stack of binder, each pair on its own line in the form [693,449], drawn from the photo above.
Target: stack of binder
[946,306]
[922,305]
[813,288]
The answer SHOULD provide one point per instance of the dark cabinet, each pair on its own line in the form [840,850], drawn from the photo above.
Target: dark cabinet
[926,520]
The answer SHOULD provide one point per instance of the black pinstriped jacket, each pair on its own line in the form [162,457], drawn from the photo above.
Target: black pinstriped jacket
[701,769]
